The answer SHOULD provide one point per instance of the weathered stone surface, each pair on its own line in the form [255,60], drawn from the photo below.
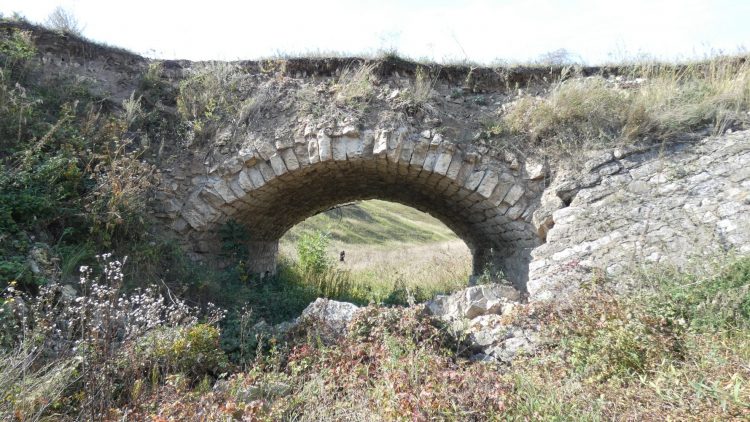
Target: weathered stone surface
[479,314]
[474,301]
[325,150]
[334,315]
[679,207]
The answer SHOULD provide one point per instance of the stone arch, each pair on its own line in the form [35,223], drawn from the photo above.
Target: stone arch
[488,202]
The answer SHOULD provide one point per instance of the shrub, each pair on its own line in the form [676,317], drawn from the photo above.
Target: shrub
[312,250]
[92,336]
[190,350]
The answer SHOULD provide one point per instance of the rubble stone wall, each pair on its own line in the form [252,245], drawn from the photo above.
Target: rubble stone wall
[680,205]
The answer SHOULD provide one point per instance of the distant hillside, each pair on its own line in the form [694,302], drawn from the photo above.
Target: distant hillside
[374,222]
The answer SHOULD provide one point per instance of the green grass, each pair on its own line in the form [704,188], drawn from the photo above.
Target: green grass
[373,222]
[393,252]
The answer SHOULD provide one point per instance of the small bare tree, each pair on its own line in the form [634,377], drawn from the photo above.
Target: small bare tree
[63,21]
[559,57]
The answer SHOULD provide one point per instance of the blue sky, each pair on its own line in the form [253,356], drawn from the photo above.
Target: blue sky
[484,31]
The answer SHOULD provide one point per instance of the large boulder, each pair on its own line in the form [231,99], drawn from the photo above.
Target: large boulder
[475,301]
[333,315]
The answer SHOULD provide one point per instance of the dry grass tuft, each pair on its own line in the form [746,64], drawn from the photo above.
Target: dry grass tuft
[354,87]
[654,101]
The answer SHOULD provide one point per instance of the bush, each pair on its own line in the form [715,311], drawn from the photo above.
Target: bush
[312,250]
[95,336]
[192,350]
[63,21]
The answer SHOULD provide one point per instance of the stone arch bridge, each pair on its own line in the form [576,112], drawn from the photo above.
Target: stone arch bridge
[680,202]
[487,201]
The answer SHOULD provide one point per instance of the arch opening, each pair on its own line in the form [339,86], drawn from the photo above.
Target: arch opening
[486,204]
[379,248]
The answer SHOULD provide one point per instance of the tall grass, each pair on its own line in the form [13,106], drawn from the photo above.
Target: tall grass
[354,87]
[654,101]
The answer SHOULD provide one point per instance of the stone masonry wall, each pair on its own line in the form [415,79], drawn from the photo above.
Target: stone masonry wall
[678,205]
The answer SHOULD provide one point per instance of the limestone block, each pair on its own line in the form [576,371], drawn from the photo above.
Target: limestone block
[430,159]
[535,170]
[488,184]
[249,155]
[198,213]
[243,179]
[265,170]
[467,167]
[354,148]
[443,162]
[599,160]
[455,166]
[290,159]
[255,176]
[312,151]
[265,149]
[380,147]
[542,218]
[368,143]
[394,146]
[338,146]
[284,143]
[236,188]
[516,210]
[406,151]
[325,149]
[221,188]
[474,179]
[277,164]
[301,154]
[419,154]
[505,182]
[514,194]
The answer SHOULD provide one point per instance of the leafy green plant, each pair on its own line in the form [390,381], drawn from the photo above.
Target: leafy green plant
[704,304]
[312,251]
